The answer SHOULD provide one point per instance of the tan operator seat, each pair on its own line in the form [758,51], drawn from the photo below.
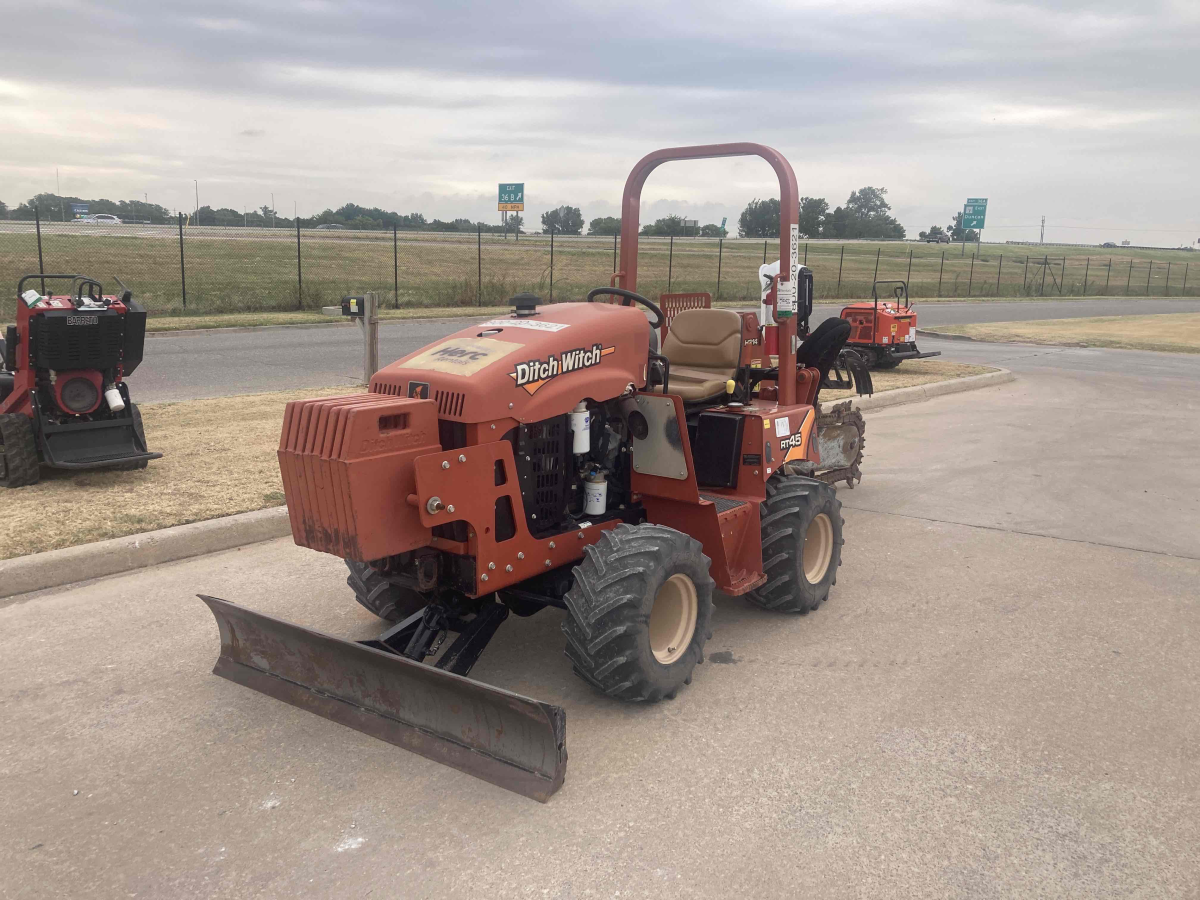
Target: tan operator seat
[704,347]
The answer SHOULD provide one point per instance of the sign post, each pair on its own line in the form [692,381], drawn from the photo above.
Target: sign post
[511,198]
[973,214]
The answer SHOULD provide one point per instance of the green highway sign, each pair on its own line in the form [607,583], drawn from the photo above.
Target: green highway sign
[512,198]
[974,212]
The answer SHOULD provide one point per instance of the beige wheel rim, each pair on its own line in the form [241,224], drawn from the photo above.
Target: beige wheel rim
[673,619]
[818,549]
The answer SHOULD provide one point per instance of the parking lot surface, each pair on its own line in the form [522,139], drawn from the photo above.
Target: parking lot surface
[1000,699]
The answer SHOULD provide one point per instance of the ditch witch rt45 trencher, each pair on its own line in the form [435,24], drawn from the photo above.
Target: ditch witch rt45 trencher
[553,458]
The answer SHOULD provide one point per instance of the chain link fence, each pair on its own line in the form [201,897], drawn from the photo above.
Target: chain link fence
[175,269]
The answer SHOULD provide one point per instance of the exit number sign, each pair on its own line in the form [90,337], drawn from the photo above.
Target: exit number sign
[974,212]
[512,198]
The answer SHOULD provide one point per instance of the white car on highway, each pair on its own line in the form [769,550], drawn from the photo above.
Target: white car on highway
[103,219]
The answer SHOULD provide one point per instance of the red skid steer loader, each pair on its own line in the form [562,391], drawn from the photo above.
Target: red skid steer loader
[551,458]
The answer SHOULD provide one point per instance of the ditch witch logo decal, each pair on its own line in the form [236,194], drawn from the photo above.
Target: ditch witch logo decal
[533,374]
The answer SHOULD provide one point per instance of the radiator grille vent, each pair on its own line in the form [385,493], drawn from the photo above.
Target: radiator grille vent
[543,457]
[449,403]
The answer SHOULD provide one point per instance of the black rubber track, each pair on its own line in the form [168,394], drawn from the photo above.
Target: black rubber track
[793,501]
[380,596]
[20,464]
[607,625]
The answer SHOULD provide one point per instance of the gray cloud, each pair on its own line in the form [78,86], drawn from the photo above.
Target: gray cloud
[1085,111]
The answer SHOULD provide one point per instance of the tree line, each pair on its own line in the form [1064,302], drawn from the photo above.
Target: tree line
[865,214]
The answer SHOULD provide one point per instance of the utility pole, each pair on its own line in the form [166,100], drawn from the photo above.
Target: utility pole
[272,209]
[146,198]
[197,184]
[62,215]
[1042,239]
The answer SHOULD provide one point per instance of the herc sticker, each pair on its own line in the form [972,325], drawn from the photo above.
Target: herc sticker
[533,374]
[418,390]
[462,356]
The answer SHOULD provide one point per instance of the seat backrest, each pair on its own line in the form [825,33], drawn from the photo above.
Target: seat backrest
[705,339]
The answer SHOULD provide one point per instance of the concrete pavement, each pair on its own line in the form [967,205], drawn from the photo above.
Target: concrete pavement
[1000,699]
[221,363]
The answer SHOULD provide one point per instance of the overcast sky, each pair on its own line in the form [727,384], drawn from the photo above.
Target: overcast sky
[1085,112]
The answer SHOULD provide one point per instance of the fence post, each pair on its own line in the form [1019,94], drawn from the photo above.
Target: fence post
[841,259]
[941,268]
[37,224]
[908,277]
[1149,272]
[551,263]
[1086,269]
[806,253]
[1183,293]
[971,277]
[614,251]
[721,253]
[182,270]
[764,253]
[1025,276]
[479,263]
[395,270]
[875,277]
[299,273]
[370,326]
[1167,288]
[999,269]
[670,262]
[1045,265]
[1129,277]
[1108,277]
[1062,280]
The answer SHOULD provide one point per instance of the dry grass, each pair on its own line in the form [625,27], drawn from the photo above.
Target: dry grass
[1169,332]
[218,460]
[911,374]
[232,270]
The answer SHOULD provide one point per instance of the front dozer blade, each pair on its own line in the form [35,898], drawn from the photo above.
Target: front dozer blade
[512,741]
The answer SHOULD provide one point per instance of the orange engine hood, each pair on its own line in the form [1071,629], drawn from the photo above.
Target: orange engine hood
[527,369]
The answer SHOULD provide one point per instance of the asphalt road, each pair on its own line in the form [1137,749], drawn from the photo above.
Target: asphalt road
[1001,699]
[225,362]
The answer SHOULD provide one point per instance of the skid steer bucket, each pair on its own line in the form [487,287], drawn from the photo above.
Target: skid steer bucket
[512,741]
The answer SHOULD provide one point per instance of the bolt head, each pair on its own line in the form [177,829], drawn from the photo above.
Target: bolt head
[508,568]
[520,556]
[445,464]
[552,545]
[547,564]
[491,565]
[483,577]
[450,508]
[461,458]
[510,406]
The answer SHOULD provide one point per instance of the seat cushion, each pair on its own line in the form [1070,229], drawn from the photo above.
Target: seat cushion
[695,384]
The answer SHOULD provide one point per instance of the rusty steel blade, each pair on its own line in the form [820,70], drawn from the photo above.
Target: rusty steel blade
[512,741]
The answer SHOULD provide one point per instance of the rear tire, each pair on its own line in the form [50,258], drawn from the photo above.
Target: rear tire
[19,464]
[801,544]
[388,601]
[639,612]
[884,361]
